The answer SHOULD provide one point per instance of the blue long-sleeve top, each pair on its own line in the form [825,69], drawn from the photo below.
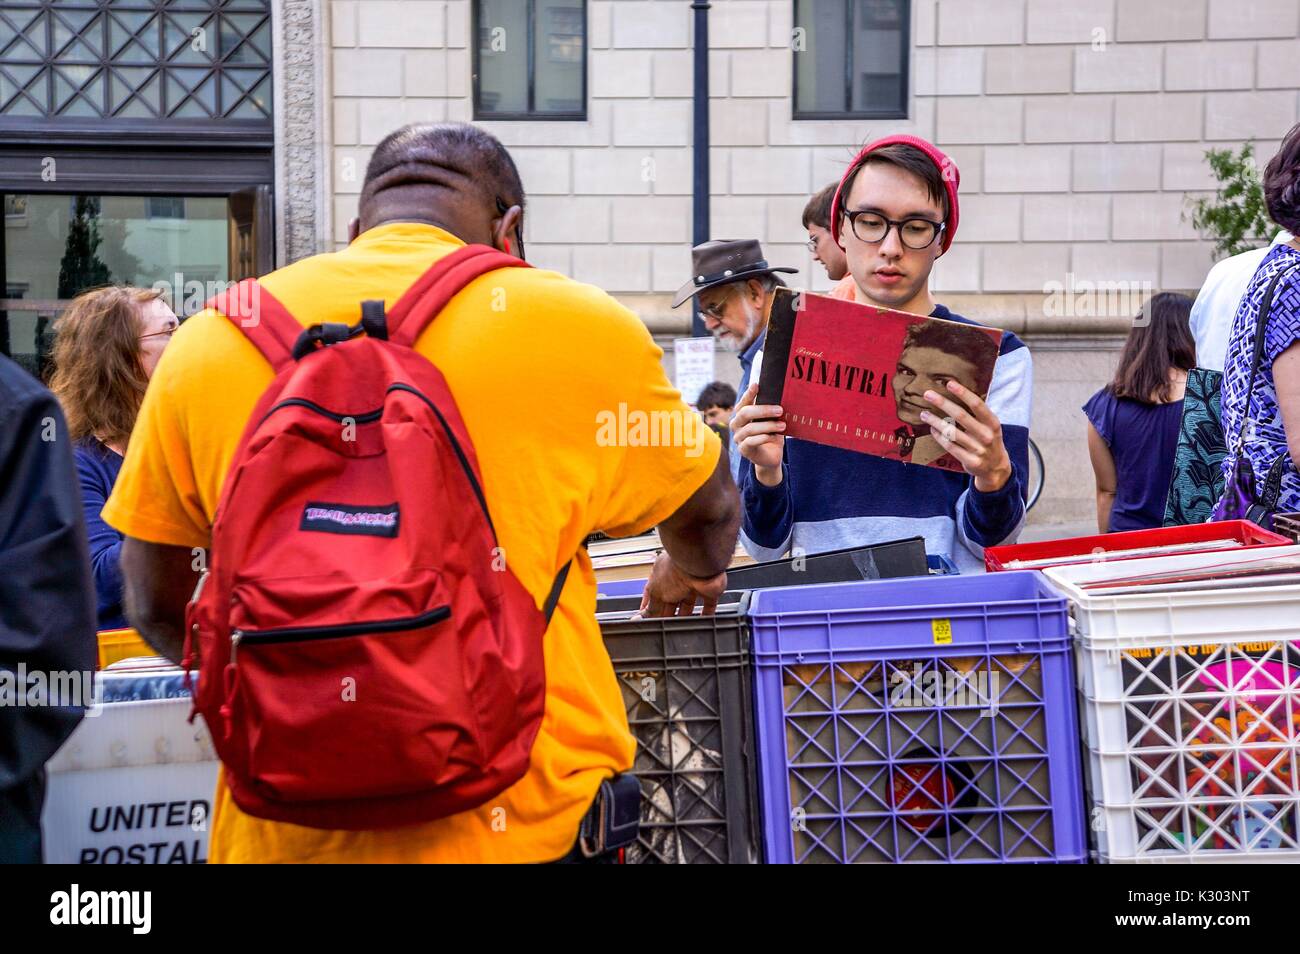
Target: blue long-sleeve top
[97,470]
[832,498]
[746,370]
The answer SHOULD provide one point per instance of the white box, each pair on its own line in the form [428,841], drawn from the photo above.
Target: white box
[134,783]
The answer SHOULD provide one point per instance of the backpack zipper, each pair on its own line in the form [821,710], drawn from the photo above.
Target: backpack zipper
[289,634]
[365,417]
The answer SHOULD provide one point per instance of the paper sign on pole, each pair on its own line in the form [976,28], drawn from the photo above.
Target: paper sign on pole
[693,366]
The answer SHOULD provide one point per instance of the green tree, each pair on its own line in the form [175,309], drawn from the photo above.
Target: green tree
[81,267]
[1236,217]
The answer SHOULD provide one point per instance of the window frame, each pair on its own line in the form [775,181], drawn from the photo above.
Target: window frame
[530,115]
[91,130]
[152,217]
[905,42]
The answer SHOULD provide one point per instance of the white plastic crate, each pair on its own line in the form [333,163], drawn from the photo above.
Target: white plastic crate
[1190,712]
[134,781]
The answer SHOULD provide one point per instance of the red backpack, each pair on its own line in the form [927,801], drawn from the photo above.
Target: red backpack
[367,659]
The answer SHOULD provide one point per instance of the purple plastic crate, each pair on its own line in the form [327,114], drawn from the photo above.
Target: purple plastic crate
[620,588]
[917,720]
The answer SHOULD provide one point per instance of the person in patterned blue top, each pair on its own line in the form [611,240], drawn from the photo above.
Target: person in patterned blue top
[1272,413]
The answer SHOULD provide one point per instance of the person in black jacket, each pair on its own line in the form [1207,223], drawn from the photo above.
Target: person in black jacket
[47,600]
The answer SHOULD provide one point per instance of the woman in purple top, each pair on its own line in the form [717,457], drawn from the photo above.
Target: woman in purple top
[1133,421]
[106,347]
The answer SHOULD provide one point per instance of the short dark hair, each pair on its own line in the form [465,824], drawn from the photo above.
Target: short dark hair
[818,209]
[909,159]
[1282,183]
[962,341]
[716,394]
[451,155]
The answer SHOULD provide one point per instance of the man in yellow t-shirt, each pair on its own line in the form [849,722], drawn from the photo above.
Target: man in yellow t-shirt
[537,364]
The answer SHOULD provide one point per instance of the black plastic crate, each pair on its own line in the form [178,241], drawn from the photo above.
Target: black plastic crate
[880,561]
[688,687]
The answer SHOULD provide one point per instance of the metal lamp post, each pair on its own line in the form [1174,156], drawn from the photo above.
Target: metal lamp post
[701,147]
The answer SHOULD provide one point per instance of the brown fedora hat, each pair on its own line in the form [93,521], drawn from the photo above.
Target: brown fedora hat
[723,261]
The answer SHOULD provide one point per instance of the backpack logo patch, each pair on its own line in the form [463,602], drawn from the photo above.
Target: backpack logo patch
[381,521]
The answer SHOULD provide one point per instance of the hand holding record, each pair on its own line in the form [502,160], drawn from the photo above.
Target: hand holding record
[759,434]
[972,434]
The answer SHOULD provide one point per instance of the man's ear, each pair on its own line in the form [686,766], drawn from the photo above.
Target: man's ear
[354,229]
[510,224]
[757,293]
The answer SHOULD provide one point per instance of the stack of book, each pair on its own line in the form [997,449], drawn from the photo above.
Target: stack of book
[630,558]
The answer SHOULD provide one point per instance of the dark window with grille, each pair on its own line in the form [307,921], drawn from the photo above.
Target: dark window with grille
[851,58]
[136,142]
[157,61]
[530,59]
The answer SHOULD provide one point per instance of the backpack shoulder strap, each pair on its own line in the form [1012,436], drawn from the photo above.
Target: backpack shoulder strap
[557,587]
[1257,356]
[263,321]
[432,290]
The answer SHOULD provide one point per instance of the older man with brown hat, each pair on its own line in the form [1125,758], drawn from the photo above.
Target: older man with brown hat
[732,282]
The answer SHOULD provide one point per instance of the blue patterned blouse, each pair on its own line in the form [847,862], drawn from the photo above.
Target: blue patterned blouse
[1264,439]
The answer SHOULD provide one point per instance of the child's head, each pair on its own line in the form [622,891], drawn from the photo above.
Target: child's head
[716,402]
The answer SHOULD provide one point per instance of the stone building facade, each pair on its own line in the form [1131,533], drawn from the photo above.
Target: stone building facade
[1080,128]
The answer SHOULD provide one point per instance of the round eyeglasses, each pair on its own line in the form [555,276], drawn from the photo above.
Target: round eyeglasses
[916,233]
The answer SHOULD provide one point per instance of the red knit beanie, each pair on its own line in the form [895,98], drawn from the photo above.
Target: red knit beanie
[947,169]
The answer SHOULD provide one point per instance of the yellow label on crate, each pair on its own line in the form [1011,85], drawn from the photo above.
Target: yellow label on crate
[942,629]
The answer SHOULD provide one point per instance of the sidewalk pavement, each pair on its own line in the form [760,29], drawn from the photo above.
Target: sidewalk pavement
[1057,531]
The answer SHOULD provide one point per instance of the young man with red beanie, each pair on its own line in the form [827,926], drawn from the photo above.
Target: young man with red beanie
[895,214]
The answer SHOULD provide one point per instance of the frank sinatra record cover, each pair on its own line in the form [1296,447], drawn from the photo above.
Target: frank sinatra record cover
[855,376]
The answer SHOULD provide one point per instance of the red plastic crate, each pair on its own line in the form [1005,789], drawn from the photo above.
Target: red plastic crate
[1116,545]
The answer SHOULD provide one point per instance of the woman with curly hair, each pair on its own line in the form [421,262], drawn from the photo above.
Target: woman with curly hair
[107,344]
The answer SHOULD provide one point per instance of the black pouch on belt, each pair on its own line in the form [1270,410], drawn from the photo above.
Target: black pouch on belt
[614,818]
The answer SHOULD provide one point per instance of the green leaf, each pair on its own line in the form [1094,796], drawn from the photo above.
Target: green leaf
[1236,217]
